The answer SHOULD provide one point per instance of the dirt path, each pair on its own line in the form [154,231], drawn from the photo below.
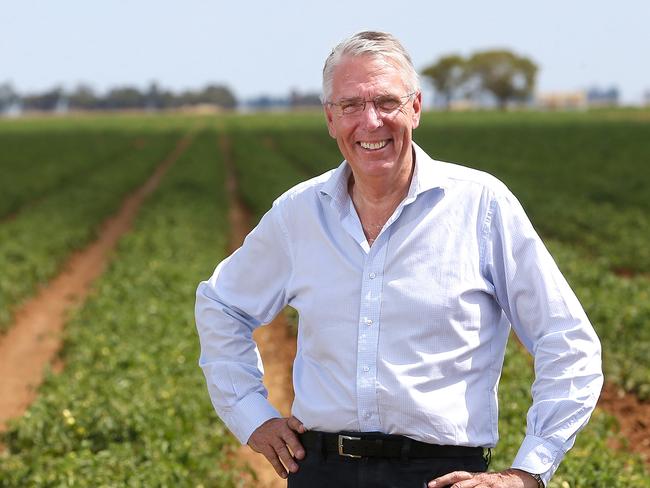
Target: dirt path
[34,338]
[277,346]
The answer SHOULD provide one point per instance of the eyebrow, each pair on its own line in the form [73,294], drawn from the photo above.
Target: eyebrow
[356,99]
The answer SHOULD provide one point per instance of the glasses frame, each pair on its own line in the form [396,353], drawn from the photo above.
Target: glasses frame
[374,100]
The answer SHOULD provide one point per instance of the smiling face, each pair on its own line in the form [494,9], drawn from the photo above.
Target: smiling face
[375,144]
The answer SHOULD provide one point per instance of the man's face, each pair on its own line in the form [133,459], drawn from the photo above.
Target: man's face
[375,144]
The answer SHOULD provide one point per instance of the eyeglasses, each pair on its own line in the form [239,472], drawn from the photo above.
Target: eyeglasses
[384,104]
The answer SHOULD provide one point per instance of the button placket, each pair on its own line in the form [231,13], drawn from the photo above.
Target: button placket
[368,336]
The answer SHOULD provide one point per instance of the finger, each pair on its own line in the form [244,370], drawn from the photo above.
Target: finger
[295,424]
[471,483]
[294,444]
[271,455]
[286,458]
[450,478]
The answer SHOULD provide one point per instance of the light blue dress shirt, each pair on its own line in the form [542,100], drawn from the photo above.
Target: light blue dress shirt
[406,336]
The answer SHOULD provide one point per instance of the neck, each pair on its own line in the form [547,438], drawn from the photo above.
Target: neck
[375,201]
[382,191]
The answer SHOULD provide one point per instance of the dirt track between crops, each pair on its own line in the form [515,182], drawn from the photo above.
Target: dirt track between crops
[33,340]
[277,346]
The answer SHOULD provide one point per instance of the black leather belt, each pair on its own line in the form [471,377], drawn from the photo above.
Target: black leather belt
[362,444]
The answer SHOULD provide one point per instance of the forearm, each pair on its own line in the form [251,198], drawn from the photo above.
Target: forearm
[565,393]
[231,364]
[245,291]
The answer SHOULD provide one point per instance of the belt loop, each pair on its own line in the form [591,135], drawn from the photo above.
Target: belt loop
[406,449]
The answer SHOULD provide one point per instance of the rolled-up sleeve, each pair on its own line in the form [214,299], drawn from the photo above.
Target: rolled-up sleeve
[246,290]
[552,325]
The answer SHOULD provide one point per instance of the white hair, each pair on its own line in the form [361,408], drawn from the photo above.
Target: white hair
[370,43]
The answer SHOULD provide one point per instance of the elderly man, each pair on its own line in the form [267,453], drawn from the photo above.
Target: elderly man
[407,274]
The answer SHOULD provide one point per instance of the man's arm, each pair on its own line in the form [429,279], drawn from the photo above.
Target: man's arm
[552,325]
[246,290]
[554,328]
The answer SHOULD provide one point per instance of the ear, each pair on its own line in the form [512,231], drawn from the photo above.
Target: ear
[330,121]
[417,109]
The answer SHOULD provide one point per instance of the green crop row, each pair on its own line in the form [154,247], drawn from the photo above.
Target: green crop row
[34,245]
[131,407]
[262,173]
[34,165]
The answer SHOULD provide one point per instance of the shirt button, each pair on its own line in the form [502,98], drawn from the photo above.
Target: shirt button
[367,415]
[368,321]
[372,276]
[366,369]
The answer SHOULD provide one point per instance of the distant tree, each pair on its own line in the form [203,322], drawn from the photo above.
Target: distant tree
[125,97]
[83,98]
[447,76]
[504,74]
[48,100]
[218,95]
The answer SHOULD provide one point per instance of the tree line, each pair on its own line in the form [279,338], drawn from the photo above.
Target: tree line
[504,75]
[84,97]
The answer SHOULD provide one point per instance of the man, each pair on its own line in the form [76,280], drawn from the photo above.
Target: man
[407,274]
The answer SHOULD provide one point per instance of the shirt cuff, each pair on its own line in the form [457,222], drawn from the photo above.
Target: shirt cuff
[248,414]
[538,456]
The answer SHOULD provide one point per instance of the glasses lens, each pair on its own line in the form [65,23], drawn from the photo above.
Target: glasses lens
[351,107]
[387,104]
[384,104]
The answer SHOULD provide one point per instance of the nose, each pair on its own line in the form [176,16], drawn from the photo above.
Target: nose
[372,118]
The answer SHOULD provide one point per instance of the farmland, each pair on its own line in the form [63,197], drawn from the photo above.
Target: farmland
[130,407]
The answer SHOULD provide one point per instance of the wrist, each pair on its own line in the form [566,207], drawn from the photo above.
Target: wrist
[535,476]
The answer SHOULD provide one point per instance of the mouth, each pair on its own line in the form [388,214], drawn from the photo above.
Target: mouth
[373,145]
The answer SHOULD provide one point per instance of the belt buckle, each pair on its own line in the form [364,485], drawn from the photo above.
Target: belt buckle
[347,438]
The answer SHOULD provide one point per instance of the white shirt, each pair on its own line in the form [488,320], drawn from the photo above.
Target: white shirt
[407,336]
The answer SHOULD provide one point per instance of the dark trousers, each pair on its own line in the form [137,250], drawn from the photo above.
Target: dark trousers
[327,470]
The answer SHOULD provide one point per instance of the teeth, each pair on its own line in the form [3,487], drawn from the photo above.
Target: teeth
[373,145]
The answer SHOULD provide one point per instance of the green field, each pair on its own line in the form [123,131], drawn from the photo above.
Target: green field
[130,408]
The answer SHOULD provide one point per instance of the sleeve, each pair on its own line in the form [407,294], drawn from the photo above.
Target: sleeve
[247,289]
[551,324]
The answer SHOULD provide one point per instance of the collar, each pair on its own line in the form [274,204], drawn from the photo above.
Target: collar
[427,175]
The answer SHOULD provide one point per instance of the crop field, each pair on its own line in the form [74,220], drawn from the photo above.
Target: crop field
[130,407]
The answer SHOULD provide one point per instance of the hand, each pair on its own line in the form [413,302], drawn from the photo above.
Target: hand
[276,439]
[510,478]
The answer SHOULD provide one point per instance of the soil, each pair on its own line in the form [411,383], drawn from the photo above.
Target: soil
[633,417]
[36,333]
[276,344]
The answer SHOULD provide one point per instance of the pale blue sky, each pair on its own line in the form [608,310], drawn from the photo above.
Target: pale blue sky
[271,47]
